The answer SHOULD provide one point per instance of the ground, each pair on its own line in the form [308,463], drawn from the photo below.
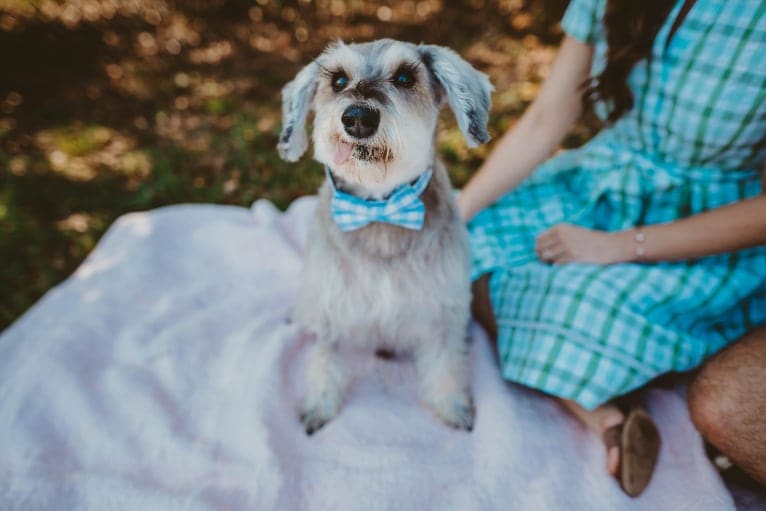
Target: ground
[110,106]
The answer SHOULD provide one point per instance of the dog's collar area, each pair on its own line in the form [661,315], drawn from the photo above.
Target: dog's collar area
[337,184]
[402,207]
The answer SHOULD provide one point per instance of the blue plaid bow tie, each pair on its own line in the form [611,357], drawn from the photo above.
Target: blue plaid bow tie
[403,207]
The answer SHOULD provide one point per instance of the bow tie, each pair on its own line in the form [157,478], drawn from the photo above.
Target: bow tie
[403,207]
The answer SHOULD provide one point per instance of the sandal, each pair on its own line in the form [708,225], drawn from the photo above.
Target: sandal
[639,442]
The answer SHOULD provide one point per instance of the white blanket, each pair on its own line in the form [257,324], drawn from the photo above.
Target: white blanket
[163,375]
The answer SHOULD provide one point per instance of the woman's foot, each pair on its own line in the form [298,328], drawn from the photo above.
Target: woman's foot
[600,420]
[638,443]
[613,451]
[632,441]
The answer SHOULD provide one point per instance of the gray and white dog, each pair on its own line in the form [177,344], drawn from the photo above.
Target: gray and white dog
[385,286]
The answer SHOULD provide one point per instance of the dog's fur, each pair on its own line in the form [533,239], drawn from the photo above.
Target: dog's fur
[384,285]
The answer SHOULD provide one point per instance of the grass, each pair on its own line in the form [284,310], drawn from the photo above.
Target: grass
[108,107]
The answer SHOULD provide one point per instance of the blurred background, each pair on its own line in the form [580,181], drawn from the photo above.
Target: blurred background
[110,106]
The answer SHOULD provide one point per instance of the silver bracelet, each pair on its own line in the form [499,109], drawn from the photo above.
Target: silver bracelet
[640,238]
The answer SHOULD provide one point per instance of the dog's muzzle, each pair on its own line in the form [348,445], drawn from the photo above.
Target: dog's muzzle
[360,121]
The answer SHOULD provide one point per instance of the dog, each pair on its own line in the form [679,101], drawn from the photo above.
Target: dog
[399,282]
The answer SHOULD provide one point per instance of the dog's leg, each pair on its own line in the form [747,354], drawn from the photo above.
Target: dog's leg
[326,383]
[444,379]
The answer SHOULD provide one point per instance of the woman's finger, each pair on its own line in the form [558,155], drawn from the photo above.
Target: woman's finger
[543,247]
[552,252]
[547,237]
[552,233]
[547,242]
[564,258]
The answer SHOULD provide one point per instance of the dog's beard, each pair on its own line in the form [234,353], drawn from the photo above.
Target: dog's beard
[361,152]
[361,163]
[373,154]
[374,166]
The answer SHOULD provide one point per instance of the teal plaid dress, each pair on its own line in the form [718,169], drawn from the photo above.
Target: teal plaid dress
[695,140]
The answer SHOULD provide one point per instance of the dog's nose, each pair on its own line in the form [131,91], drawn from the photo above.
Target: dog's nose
[360,121]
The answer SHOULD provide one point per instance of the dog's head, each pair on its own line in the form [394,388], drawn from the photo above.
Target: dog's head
[376,106]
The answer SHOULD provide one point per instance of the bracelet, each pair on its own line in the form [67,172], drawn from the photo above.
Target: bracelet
[640,238]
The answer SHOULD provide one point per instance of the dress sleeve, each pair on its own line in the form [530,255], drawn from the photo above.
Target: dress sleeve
[582,19]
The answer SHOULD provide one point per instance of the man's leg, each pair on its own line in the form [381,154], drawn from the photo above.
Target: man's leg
[727,402]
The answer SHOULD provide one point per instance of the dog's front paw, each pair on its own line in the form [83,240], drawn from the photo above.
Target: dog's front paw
[457,411]
[313,421]
[315,416]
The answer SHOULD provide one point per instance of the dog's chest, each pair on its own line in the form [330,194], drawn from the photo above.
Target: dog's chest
[384,281]
[383,243]
[379,297]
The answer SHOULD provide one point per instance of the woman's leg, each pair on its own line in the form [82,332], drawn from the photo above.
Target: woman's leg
[481,305]
[727,402]
[598,420]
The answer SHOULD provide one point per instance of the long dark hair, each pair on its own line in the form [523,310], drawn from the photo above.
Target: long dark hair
[631,27]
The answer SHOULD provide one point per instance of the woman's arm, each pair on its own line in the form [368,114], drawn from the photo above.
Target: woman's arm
[726,229]
[537,133]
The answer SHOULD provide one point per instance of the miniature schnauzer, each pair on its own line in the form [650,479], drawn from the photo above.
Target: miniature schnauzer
[387,260]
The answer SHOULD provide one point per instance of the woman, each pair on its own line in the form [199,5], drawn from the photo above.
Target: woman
[598,280]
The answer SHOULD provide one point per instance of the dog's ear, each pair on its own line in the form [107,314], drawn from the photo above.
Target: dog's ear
[296,100]
[469,91]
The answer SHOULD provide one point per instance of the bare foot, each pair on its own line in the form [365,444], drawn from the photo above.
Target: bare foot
[612,418]
[599,420]
[613,460]
[636,433]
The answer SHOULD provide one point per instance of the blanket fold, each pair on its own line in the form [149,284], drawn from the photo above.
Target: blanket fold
[165,374]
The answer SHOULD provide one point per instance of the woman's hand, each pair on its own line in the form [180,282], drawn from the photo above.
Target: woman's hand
[567,243]
[721,230]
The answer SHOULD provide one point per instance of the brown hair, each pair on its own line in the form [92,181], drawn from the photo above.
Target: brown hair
[631,28]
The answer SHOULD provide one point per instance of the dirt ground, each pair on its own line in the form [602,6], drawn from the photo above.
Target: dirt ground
[110,106]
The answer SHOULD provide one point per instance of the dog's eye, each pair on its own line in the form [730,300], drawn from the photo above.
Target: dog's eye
[339,81]
[404,78]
